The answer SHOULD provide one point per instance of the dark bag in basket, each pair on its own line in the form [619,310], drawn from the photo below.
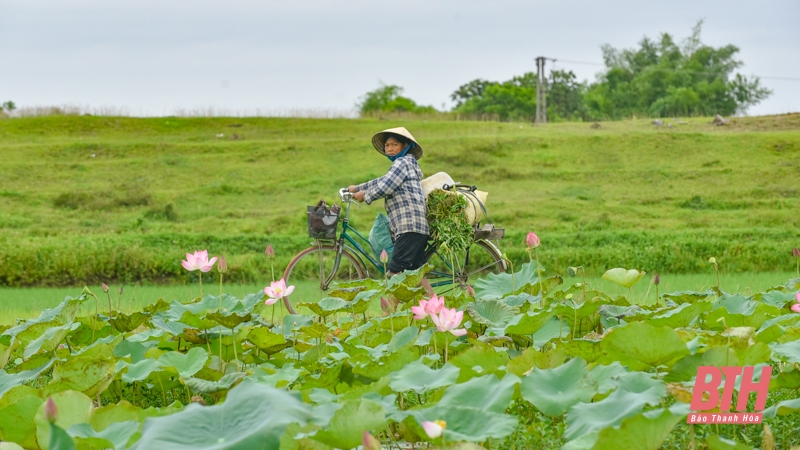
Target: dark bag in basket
[322,221]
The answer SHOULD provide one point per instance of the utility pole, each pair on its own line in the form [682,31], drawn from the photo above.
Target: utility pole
[541,91]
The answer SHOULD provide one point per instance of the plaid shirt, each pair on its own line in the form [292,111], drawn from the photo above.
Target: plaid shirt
[402,189]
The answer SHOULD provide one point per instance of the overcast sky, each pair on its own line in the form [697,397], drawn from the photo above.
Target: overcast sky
[155,57]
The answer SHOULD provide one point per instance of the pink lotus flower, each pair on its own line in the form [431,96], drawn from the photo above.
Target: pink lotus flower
[270,252]
[532,240]
[449,320]
[198,261]
[434,429]
[796,308]
[428,307]
[384,256]
[276,291]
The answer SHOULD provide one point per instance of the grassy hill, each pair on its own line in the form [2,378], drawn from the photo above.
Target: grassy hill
[89,199]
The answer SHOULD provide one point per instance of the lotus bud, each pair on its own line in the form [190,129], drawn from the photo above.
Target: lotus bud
[532,240]
[270,252]
[470,291]
[51,410]
[105,288]
[386,305]
[222,267]
[384,256]
[656,280]
[120,290]
[796,252]
[572,271]
[369,442]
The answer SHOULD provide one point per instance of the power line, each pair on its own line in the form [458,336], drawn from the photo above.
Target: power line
[672,70]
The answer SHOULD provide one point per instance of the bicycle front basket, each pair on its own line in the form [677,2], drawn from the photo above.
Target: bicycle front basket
[322,222]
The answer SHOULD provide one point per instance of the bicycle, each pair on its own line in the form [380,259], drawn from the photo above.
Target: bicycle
[343,259]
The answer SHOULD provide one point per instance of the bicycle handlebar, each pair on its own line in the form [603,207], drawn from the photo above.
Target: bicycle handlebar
[345,195]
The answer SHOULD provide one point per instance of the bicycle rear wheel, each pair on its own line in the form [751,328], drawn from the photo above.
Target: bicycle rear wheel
[316,265]
[480,259]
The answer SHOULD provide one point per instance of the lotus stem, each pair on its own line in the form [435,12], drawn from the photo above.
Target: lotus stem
[220,290]
[539,274]
[446,350]
[201,285]
[272,269]
[235,353]
[110,313]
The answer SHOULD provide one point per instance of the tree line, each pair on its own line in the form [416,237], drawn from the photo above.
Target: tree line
[659,78]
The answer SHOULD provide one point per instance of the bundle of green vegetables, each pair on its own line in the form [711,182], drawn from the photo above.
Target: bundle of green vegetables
[450,230]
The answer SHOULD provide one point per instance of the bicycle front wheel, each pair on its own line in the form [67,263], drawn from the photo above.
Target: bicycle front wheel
[317,266]
[460,270]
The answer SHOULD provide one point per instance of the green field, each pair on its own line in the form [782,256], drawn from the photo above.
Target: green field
[27,303]
[90,199]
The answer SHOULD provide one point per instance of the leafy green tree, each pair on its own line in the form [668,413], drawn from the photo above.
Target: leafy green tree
[388,99]
[8,106]
[565,97]
[662,78]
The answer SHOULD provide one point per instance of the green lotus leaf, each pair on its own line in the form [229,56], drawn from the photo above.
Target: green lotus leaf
[185,364]
[362,301]
[293,322]
[116,435]
[478,361]
[266,340]
[486,392]
[689,296]
[682,316]
[316,330]
[90,372]
[10,446]
[201,386]
[645,431]
[172,327]
[17,420]
[49,340]
[125,323]
[528,323]
[464,423]
[492,313]
[531,358]
[554,391]
[584,418]
[59,439]
[134,350]
[777,299]
[141,370]
[403,338]
[715,442]
[73,408]
[623,277]
[326,306]
[10,380]
[346,293]
[253,416]
[62,314]
[403,287]
[198,320]
[641,346]
[159,306]
[547,285]
[496,286]
[783,408]
[789,352]
[346,427]
[278,377]
[587,349]
[227,319]
[420,378]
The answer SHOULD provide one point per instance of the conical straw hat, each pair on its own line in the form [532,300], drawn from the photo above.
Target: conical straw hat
[380,139]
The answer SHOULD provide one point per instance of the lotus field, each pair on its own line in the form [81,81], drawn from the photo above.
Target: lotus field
[528,359]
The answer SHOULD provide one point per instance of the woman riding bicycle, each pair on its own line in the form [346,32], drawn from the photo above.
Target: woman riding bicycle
[405,202]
